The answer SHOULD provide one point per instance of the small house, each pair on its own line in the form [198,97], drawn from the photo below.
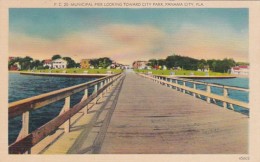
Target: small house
[59,64]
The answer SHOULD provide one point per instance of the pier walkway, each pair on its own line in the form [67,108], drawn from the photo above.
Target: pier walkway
[148,118]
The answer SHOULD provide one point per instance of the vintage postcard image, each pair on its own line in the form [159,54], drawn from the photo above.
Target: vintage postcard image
[130,78]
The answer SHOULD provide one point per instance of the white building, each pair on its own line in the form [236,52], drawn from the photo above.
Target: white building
[240,70]
[140,64]
[59,64]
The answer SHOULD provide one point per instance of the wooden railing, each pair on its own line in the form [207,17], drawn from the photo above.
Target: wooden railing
[173,83]
[25,140]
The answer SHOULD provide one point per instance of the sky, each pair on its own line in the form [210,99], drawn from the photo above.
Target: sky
[126,35]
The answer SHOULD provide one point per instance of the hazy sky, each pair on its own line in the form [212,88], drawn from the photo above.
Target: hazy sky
[126,35]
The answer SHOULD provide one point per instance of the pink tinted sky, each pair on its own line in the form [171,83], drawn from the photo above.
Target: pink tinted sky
[127,37]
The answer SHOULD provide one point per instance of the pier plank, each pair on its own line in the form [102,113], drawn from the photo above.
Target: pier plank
[150,118]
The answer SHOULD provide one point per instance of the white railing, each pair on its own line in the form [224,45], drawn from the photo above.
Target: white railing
[225,99]
[25,140]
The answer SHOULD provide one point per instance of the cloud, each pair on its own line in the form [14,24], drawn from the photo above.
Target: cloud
[218,43]
[126,43]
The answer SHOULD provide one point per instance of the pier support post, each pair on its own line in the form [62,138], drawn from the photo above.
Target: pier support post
[67,108]
[209,91]
[225,94]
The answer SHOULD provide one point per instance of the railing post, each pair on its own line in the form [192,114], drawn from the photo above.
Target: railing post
[175,82]
[166,80]
[171,85]
[106,82]
[184,85]
[112,80]
[85,97]
[225,94]
[101,86]
[25,126]
[109,80]
[67,108]
[95,91]
[209,91]
[194,87]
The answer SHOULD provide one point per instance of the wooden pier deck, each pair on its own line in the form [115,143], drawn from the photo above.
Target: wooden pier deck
[148,118]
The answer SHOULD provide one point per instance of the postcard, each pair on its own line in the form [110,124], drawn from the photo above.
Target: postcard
[130,80]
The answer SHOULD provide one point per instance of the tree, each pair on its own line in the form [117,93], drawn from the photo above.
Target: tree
[214,64]
[94,62]
[26,63]
[201,66]
[187,63]
[36,64]
[70,62]
[161,62]
[54,57]
[152,62]
[103,62]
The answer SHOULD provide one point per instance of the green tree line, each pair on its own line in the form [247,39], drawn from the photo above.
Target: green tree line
[189,63]
[28,63]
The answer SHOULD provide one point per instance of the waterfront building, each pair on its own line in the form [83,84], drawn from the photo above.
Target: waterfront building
[116,65]
[59,64]
[240,70]
[11,58]
[15,67]
[84,64]
[140,64]
[47,63]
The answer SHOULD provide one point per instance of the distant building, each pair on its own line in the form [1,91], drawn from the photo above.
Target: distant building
[240,70]
[47,63]
[140,64]
[84,64]
[116,65]
[11,58]
[59,64]
[15,67]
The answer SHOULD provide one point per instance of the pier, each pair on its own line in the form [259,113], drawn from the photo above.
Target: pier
[136,114]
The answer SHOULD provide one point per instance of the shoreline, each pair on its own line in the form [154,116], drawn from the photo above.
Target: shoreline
[64,74]
[207,77]
[199,77]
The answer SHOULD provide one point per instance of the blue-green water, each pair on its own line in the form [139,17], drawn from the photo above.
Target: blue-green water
[24,86]
[233,94]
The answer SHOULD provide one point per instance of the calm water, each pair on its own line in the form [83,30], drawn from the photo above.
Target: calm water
[234,94]
[24,86]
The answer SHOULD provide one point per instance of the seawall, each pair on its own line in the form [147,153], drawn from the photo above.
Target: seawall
[65,74]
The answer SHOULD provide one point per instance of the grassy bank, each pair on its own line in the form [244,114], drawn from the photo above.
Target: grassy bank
[181,72]
[77,70]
